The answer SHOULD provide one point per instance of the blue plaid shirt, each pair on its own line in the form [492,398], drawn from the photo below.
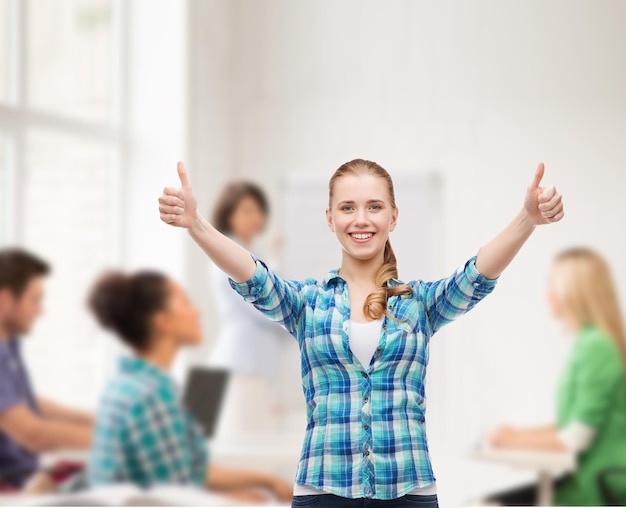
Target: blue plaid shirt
[365,434]
[143,434]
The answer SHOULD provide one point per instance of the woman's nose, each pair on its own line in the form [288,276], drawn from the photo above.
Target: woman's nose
[361,217]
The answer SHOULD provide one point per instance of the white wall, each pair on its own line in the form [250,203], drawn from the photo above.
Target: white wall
[156,95]
[209,139]
[480,91]
[154,99]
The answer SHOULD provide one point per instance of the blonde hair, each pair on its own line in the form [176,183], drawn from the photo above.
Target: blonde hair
[584,285]
[375,305]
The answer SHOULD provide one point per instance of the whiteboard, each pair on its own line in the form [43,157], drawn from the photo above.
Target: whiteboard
[310,249]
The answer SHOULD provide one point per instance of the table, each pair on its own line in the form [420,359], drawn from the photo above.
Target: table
[48,459]
[547,465]
[275,453]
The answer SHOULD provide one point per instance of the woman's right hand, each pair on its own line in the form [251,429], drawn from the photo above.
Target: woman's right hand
[177,205]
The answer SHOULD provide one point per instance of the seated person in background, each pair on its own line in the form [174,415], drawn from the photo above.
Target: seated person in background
[143,434]
[592,389]
[248,344]
[29,424]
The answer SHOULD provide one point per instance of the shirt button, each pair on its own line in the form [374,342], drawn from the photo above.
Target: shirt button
[366,426]
[365,400]
[364,374]
[367,452]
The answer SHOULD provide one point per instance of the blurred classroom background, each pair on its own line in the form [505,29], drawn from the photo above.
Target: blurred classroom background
[100,98]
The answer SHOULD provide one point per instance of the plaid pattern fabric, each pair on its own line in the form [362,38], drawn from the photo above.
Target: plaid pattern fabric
[365,434]
[143,435]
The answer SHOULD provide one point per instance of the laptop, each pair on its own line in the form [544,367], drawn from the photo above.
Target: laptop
[204,394]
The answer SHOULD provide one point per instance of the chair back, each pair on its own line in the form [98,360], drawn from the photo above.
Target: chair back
[612,484]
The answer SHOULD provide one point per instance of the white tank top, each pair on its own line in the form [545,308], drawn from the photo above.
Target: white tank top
[364,339]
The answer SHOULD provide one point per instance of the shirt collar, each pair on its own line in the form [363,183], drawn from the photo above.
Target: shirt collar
[137,365]
[333,276]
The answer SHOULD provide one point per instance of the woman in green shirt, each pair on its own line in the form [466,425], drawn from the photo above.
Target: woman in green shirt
[591,395]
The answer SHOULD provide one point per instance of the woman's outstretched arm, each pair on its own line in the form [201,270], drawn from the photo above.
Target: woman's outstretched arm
[542,205]
[178,207]
[538,438]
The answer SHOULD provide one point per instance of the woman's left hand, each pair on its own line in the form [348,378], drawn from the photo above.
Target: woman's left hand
[543,205]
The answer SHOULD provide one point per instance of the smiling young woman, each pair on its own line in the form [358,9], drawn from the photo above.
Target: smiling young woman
[362,212]
[363,334]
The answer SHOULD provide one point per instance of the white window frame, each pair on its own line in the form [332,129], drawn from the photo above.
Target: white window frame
[17,118]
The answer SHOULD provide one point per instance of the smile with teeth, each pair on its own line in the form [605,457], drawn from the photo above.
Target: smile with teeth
[361,236]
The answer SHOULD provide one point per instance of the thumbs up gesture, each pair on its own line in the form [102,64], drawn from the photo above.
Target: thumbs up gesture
[177,205]
[544,205]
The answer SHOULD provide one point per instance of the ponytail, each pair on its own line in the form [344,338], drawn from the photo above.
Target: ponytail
[375,305]
[125,304]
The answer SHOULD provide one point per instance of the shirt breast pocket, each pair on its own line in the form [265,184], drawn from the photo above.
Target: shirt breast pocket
[325,341]
[406,341]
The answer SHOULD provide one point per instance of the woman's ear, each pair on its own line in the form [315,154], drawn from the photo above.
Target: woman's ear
[394,219]
[160,323]
[6,302]
[329,220]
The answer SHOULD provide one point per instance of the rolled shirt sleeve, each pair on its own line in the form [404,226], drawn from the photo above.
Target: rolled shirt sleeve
[449,298]
[280,300]
[577,436]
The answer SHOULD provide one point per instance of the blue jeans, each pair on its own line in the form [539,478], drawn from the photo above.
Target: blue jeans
[332,501]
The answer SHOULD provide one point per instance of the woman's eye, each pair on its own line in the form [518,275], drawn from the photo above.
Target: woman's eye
[346,208]
[375,207]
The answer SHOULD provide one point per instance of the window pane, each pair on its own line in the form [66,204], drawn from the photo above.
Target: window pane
[4,49]
[68,212]
[4,191]
[69,57]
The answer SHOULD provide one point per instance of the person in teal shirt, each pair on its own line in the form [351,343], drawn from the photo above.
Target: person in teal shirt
[591,394]
[143,434]
[365,442]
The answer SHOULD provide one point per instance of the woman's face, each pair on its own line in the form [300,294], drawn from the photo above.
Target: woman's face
[180,319]
[361,215]
[247,220]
